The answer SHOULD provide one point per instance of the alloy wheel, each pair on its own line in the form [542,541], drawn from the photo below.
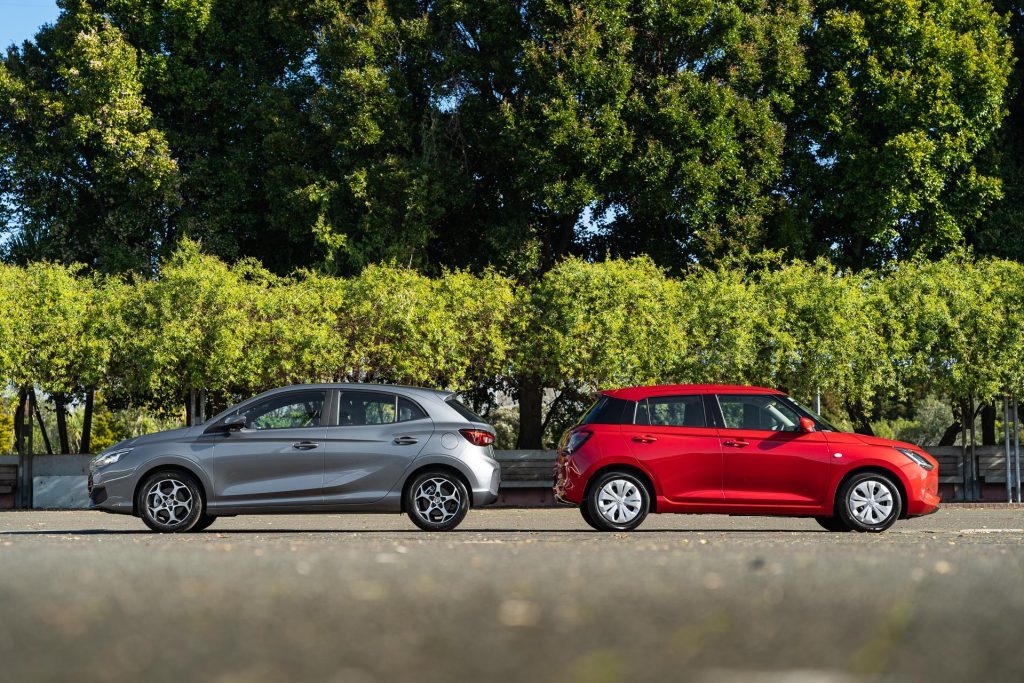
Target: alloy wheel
[169,502]
[437,500]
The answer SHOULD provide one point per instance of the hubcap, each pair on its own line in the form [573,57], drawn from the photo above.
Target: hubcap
[871,502]
[437,500]
[169,502]
[619,501]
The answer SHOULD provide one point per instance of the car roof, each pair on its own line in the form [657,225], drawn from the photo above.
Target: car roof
[638,393]
[400,388]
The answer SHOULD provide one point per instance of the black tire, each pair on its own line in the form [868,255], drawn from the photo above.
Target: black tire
[632,485]
[832,524]
[204,522]
[851,493]
[585,511]
[436,500]
[175,484]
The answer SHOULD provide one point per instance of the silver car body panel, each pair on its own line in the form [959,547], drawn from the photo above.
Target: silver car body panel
[327,468]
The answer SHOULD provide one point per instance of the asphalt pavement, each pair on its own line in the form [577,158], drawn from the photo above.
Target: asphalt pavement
[519,595]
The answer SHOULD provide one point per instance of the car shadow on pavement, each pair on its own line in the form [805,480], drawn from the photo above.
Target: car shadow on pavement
[388,532]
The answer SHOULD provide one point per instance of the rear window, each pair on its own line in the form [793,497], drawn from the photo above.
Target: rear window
[608,411]
[463,410]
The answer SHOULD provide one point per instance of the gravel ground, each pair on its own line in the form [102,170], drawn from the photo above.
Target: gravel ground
[529,595]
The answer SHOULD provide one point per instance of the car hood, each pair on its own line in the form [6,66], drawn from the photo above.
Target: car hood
[850,437]
[155,437]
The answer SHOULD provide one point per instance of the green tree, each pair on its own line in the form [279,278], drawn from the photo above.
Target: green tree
[85,174]
[884,140]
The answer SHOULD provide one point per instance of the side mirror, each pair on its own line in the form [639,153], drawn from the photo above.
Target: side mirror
[231,424]
[807,425]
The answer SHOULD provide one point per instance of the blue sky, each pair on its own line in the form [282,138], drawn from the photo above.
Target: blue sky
[20,19]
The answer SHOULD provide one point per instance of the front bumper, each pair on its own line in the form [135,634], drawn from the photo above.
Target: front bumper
[111,491]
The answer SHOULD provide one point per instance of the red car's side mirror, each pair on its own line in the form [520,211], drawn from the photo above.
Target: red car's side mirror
[807,425]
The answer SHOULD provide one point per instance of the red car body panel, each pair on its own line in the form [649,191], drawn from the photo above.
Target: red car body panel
[712,469]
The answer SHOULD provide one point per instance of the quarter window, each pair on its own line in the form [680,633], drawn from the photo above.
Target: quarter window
[672,411]
[357,408]
[761,412]
[287,411]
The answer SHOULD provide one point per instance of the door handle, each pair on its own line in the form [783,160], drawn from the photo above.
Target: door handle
[738,443]
[405,440]
[646,438]
[305,445]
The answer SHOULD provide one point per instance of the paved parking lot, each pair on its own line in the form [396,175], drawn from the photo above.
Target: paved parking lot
[512,595]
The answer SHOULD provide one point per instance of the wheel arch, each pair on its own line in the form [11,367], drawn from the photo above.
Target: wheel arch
[893,475]
[637,472]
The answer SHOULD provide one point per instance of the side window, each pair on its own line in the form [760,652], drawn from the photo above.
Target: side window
[407,410]
[672,411]
[763,412]
[358,408]
[287,411]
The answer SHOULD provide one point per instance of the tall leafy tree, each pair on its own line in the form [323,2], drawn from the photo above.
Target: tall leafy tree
[884,140]
[85,175]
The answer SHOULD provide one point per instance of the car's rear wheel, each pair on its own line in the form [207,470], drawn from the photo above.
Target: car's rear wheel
[832,524]
[617,501]
[436,500]
[870,502]
[170,502]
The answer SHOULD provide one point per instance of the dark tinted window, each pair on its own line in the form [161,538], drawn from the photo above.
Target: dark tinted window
[356,408]
[764,412]
[672,411]
[609,411]
[463,410]
[287,411]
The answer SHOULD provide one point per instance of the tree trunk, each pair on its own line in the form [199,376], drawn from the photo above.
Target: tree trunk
[42,426]
[87,421]
[531,403]
[20,420]
[60,402]
[988,424]
[859,417]
[953,430]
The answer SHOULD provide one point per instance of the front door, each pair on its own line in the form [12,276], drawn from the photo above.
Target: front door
[277,459]
[768,459]
[674,438]
[372,442]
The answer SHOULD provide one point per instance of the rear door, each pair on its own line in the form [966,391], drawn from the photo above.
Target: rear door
[677,442]
[371,441]
[768,459]
[277,459]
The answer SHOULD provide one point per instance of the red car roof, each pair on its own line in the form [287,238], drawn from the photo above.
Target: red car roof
[637,393]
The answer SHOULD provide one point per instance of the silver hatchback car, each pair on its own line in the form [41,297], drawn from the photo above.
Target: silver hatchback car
[303,449]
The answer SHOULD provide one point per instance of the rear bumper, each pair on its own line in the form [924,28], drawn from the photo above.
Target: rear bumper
[568,488]
[487,481]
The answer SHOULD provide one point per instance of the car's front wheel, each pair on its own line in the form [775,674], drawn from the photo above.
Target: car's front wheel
[618,501]
[170,502]
[870,502]
[436,500]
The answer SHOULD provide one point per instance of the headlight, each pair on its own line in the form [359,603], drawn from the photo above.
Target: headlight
[104,459]
[916,457]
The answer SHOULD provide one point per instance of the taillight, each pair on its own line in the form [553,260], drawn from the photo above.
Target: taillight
[477,437]
[576,440]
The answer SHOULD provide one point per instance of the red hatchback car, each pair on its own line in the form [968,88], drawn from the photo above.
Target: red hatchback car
[734,450]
